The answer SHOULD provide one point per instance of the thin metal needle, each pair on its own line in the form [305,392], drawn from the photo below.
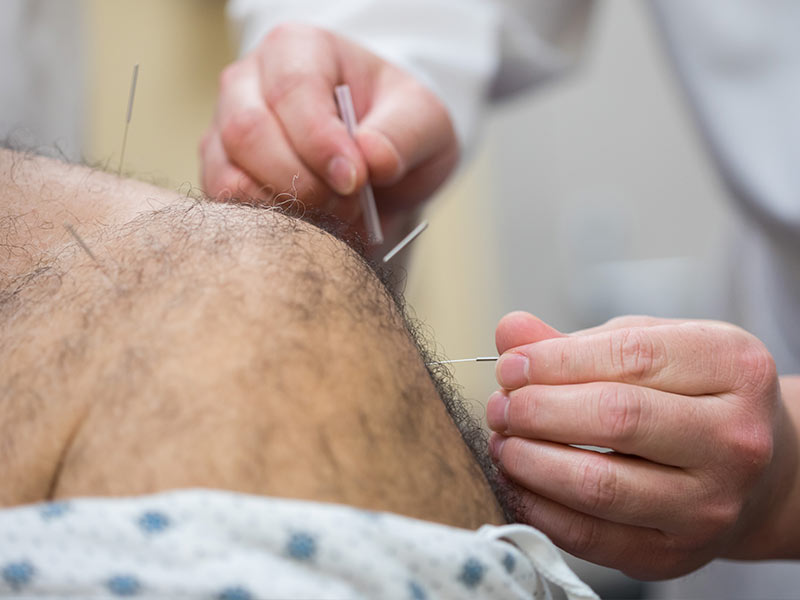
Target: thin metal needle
[81,243]
[128,119]
[406,241]
[463,360]
[84,246]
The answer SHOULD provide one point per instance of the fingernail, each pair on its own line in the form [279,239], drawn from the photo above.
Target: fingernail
[512,370]
[497,412]
[496,444]
[342,175]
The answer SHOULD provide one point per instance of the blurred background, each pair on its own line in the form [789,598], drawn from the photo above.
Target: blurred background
[572,208]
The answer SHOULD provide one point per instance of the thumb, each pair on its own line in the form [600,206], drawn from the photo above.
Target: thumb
[520,328]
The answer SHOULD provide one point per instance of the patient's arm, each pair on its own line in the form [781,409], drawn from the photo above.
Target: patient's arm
[217,346]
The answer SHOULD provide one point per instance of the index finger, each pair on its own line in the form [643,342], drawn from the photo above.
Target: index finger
[688,358]
[519,328]
[252,139]
[299,69]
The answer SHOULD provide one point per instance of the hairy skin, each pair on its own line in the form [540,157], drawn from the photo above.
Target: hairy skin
[209,345]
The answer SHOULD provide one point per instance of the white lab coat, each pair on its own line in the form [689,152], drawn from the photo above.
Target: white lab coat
[739,63]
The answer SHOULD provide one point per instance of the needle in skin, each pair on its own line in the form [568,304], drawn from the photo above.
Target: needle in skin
[128,119]
[405,241]
[85,247]
[462,360]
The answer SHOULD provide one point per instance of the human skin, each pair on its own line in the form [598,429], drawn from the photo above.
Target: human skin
[704,432]
[276,128]
[208,345]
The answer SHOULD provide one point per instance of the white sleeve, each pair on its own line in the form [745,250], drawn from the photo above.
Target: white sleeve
[466,51]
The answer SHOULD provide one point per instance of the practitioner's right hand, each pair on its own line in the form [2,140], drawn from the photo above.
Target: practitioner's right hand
[277,129]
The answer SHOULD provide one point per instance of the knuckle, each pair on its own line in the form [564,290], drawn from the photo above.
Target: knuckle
[597,485]
[292,84]
[619,415]
[755,365]
[281,88]
[318,142]
[634,352]
[716,519]
[752,446]
[289,30]
[761,447]
[720,520]
[720,505]
[582,535]
[237,126]
[228,75]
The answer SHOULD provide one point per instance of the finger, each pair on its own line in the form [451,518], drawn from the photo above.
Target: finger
[628,321]
[622,489]
[688,358]
[300,70]
[639,552]
[519,328]
[629,419]
[222,180]
[254,142]
[406,127]
[647,321]
[417,185]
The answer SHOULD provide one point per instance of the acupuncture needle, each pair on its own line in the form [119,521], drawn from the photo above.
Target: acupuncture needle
[405,241]
[371,219]
[463,360]
[128,119]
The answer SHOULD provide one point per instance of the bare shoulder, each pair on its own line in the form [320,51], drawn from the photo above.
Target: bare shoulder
[225,346]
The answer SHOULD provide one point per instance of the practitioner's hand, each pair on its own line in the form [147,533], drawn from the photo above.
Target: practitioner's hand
[277,121]
[705,460]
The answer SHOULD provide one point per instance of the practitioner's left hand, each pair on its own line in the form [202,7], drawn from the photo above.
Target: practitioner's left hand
[705,456]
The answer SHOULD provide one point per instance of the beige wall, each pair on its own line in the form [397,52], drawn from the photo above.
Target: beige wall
[180,45]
